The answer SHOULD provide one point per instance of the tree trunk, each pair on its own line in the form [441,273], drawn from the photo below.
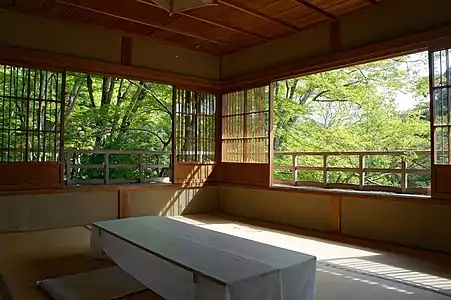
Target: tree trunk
[131,110]
[72,97]
[120,99]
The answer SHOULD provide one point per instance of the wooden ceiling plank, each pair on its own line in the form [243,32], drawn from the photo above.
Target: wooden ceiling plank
[68,12]
[44,5]
[146,23]
[237,30]
[261,16]
[317,9]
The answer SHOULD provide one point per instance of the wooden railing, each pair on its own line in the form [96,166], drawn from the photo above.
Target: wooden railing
[139,163]
[356,166]
[91,167]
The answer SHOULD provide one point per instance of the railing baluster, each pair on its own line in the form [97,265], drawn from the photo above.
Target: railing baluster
[107,167]
[325,170]
[403,174]
[361,171]
[295,170]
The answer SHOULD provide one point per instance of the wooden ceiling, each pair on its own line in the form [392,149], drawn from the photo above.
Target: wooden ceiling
[230,26]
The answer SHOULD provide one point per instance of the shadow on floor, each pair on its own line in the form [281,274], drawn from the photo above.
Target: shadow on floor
[344,271]
[430,271]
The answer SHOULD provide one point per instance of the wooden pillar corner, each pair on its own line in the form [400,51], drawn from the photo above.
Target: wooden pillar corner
[123,203]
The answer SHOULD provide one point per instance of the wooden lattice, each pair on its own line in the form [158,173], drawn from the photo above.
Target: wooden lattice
[30,114]
[441,105]
[195,126]
[245,126]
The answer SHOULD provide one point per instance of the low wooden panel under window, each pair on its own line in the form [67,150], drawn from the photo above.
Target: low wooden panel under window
[30,127]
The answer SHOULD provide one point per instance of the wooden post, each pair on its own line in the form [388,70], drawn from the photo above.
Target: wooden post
[141,168]
[106,168]
[361,171]
[432,121]
[295,171]
[68,169]
[403,174]
[218,138]
[123,203]
[174,135]
[246,156]
[325,170]
[62,125]
[271,133]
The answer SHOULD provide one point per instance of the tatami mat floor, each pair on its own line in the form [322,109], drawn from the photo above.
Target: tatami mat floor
[344,271]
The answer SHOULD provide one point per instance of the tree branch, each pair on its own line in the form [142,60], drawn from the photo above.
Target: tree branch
[319,95]
[148,131]
[144,86]
[90,91]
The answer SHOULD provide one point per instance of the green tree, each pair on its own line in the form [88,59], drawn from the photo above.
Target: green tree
[114,113]
[354,109]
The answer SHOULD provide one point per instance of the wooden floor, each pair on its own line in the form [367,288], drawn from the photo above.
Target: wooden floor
[28,257]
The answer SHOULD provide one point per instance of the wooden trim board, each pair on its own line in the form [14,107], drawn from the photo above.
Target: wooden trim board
[59,62]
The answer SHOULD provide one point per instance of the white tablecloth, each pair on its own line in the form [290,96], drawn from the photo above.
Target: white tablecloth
[180,261]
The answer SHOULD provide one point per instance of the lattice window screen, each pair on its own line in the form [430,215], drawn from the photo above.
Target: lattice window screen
[30,114]
[195,126]
[245,126]
[441,105]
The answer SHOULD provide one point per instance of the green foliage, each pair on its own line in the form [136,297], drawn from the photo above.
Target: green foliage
[117,114]
[350,109]
[354,109]
[105,113]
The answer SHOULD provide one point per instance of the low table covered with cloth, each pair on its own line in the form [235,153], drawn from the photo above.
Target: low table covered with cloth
[180,261]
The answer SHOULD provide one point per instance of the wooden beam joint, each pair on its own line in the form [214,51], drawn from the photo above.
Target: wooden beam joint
[188,15]
[261,16]
[93,7]
[317,9]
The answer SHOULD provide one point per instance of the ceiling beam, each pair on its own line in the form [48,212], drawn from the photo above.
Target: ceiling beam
[261,16]
[317,9]
[185,14]
[150,24]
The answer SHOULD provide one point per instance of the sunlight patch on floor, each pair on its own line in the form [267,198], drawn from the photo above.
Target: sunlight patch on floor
[395,273]
[323,250]
[370,282]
